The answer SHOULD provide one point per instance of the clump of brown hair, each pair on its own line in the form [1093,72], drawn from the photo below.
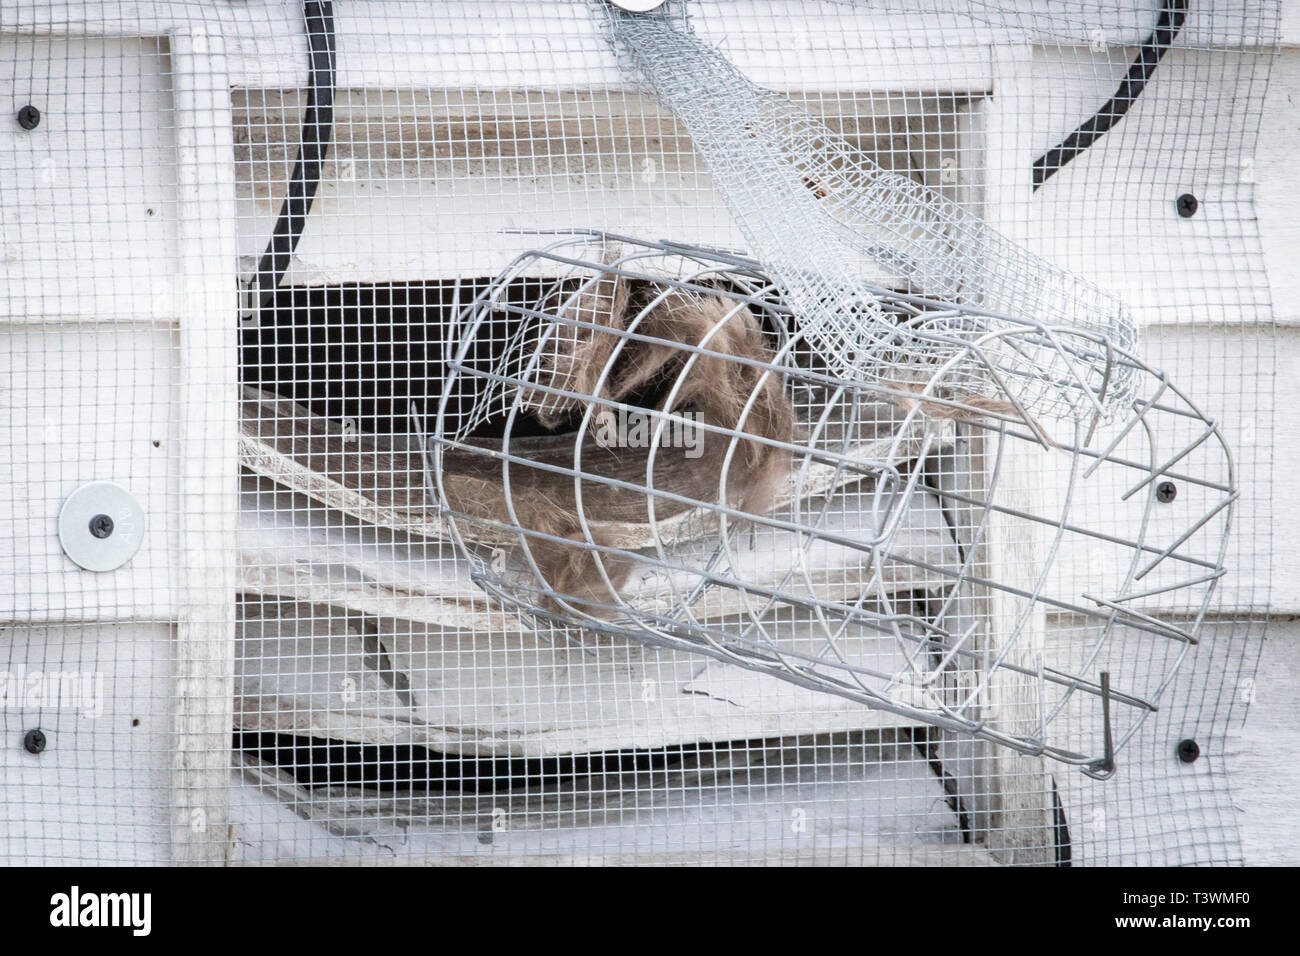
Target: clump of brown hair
[961,408]
[686,363]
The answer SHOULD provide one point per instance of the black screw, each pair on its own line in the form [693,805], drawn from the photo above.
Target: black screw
[1187,205]
[34,741]
[1188,750]
[29,117]
[101,526]
[1166,492]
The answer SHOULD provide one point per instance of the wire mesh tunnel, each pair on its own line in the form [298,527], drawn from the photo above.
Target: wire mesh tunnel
[645,457]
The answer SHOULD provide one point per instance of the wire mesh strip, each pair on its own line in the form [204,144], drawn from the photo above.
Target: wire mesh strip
[785,174]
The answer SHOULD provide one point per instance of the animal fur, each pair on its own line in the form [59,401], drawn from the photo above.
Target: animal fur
[712,387]
[969,408]
[715,388]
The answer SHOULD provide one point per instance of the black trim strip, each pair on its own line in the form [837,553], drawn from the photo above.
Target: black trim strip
[1172,15]
[317,130]
[1061,828]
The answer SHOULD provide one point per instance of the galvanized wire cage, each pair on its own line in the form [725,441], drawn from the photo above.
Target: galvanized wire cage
[600,473]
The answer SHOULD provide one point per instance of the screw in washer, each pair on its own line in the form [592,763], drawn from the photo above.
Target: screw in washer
[1166,492]
[101,526]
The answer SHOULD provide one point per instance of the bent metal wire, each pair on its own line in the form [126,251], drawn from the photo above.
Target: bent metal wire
[785,173]
[820,589]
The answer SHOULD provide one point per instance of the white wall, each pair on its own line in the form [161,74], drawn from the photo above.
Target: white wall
[1266,761]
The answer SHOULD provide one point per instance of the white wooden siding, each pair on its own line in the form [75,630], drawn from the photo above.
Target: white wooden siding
[1266,756]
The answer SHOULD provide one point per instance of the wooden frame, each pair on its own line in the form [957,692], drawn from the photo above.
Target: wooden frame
[209,494]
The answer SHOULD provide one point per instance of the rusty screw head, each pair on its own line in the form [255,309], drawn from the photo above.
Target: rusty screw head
[101,526]
[1187,205]
[29,117]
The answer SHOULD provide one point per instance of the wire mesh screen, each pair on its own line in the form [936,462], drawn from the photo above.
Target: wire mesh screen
[741,431]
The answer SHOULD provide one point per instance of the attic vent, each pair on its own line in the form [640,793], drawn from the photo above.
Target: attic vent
[455,176]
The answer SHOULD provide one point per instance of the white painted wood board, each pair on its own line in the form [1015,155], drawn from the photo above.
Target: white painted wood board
[99,793]
[1277,200]
[1122,229]
[89,224]
[208,398]
[81,404]
[1264,755]
[547,43]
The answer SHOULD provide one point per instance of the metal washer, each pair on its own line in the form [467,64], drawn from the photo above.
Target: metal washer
[95,553]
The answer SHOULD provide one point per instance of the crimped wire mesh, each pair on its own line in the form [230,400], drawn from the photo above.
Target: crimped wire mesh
[301,606]
[785,173]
